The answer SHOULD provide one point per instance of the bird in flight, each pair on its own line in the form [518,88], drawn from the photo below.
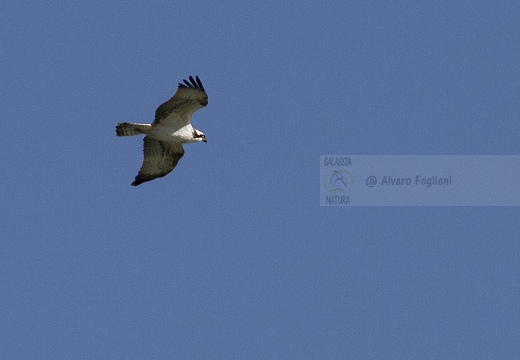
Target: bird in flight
[171,128]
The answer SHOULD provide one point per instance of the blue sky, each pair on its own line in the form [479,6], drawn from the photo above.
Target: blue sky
[231,256]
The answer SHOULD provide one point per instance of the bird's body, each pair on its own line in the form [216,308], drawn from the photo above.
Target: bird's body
[183,134]
[171,128]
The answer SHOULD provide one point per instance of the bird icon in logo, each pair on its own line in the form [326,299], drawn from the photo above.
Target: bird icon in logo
[337,181]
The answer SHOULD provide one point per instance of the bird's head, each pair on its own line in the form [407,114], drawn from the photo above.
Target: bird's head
[199,136]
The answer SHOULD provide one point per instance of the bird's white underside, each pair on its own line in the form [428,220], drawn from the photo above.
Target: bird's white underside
[167,133]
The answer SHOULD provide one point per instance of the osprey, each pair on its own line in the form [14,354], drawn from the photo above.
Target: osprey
[171,128]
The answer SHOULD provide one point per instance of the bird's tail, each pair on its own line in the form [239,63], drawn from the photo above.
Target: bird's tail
[129,129]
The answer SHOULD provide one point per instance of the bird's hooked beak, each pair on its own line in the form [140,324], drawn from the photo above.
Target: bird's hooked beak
[205,140]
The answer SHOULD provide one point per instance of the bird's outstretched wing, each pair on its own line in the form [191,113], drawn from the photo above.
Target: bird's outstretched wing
[188,98]
[160,158]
